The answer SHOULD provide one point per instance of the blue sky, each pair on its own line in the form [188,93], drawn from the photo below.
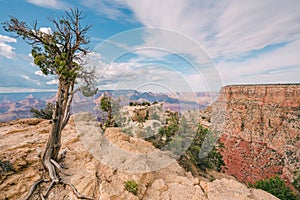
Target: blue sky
[166,45]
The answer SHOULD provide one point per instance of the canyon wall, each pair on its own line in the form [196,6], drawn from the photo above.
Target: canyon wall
[261,131]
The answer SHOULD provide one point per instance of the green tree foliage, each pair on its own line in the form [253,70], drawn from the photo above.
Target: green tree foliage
[213,160]
[171,128]
[167,132]
[144,103]
[296,183]
[178,136]
[112,108]
[183,139]
[105,103]
[45,113]
[155,116]
[275,186]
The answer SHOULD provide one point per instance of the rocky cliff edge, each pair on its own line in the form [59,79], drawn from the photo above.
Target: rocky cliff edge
[21,140]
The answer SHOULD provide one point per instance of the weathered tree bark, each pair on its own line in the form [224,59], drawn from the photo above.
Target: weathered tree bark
[60,118]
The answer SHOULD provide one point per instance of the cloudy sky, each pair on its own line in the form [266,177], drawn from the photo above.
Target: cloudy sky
[166,45]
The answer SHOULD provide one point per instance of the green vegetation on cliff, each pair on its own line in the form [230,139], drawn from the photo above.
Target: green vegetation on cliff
[186,141]
[190,159]
[275,186]
[44,113]
[131,186]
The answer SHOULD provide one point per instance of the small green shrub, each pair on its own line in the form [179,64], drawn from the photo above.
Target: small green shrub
[275,186]
[296,183]
[131,186]
[45,113]
[112,116]
[213,160]
[155,116]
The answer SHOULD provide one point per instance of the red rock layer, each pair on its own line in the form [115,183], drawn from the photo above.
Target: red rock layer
[261,131]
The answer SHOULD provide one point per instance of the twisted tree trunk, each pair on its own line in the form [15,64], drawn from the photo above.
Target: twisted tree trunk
[61,116]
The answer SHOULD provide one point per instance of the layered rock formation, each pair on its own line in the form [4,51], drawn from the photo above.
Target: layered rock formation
[12,107]
[20,166]
[261,131]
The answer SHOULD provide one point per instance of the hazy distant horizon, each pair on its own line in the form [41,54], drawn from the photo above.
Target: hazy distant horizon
[28,90]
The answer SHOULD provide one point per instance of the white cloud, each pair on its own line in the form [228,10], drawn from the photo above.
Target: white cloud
[6,50]
[232,27]
[246,25]
[264,66]
[104,7]
[229,30]
[159,78]
[111,72]
[135,74]
[29,58]
[160,42]
[4,38]
[20,90]
[39,73]
[30,79]
[55,4]
[52,82]
[46,30]
[25,77]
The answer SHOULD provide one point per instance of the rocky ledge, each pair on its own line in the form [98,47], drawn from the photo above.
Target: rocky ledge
[21,140]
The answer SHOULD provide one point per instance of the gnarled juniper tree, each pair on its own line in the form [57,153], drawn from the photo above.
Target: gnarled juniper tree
[61,53]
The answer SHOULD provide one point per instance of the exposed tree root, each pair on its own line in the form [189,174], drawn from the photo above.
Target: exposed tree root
[62,155]
[33,187]
[48,190]
[51,169]
[80,196]
[59,167]
[55,180]
[42,197]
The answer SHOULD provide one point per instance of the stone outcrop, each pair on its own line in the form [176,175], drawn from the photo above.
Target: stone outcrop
[140,114]
[22,139]
[261,131]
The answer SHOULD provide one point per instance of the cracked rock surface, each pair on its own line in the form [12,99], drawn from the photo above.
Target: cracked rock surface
[96,167]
